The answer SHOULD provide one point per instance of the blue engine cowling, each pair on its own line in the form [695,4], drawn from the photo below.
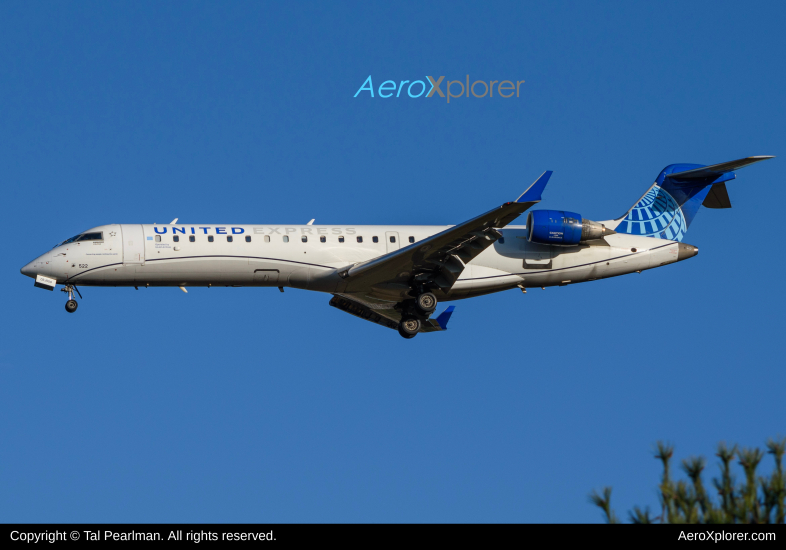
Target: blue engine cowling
[562,228]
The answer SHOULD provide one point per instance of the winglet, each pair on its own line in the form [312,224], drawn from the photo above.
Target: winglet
[533,193]
[444,317]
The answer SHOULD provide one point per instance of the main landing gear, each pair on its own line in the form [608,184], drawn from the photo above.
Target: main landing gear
[71,304]
[426,303]
[416,314]
[409,327]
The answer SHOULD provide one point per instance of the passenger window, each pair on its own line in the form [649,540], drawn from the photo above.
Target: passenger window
[501,240]
[175,238]
[304,239]
[210,238]
[191,238]
[248,238]
[229,238]
[267,238]
[412,239]
[375,239]
[392,239]
[360,239]
[286,238]
[323,239]
[158,238]
[341,239]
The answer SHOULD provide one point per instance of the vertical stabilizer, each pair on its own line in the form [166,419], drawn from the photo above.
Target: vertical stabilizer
[668,207]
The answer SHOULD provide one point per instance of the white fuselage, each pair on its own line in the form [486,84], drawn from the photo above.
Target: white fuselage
[310,257]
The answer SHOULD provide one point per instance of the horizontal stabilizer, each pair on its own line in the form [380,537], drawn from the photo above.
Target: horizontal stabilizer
[716,169]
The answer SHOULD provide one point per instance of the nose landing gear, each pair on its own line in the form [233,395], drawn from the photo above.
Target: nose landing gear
[71,304]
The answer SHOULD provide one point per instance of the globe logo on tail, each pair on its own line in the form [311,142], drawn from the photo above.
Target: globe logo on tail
[657,214]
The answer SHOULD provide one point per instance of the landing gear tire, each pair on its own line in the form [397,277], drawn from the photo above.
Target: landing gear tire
[71,306]
[426,302]
[409,327]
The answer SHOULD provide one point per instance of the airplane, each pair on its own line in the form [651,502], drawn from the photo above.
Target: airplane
[395,276]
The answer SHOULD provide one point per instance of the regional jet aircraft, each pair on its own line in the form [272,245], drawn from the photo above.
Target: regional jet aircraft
[395,275]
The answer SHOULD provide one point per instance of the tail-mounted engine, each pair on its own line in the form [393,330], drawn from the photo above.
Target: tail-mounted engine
[562,228]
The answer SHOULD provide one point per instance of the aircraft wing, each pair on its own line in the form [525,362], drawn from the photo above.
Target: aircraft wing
[436,258]
[385,315]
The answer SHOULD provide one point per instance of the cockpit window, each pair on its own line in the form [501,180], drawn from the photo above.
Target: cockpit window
[97,236]
[71,240]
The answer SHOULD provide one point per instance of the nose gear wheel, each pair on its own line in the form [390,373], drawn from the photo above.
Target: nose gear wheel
[71,304]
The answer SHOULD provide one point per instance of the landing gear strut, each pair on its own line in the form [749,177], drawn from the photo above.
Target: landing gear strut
[71,304]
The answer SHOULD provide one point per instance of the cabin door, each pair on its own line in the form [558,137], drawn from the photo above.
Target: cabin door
[133,244]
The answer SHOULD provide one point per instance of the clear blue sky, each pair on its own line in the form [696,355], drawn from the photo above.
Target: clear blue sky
[251,405]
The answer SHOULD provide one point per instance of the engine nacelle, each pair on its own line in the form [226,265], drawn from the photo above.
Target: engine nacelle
[562,228]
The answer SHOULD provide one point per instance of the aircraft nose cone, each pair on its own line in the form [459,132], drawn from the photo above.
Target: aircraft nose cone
[28,270]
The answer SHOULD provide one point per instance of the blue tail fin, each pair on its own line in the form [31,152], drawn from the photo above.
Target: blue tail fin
[669,206]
